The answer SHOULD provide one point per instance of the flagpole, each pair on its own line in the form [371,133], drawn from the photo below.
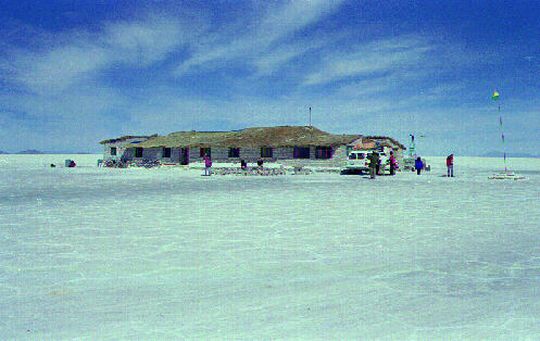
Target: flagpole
[495,97]
[502,138]
[507,174]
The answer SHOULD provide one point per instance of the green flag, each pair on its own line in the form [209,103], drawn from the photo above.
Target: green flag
[495,95]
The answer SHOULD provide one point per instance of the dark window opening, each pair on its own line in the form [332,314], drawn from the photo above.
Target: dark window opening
[323,152]
[113,150]
[234,152]
[267,152]
[184,156]
[166,152]
[206,151]
[301,153]
[138,152]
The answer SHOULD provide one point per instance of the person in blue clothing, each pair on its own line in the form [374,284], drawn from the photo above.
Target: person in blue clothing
[418,165]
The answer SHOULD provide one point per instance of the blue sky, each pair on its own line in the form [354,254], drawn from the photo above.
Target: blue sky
[75,72]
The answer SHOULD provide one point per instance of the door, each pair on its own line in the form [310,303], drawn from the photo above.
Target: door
[184,156]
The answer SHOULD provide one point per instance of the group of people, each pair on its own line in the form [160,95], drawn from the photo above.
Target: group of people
[375,164]
[419,165]
[243,164]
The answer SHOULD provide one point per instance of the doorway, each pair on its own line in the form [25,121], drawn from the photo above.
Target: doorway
[184,156]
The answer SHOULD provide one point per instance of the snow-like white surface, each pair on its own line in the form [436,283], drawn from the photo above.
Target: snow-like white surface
[97,253]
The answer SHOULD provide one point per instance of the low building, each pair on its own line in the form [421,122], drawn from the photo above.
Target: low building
[293,145]
[114,149]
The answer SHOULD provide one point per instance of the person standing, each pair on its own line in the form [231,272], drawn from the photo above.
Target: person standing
[450,165]
[373,164]
[418,165]
[207,165]
[393,163]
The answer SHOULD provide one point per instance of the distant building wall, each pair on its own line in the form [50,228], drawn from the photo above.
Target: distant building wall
[222,154]
[151,154]
[120,148]
[284,155]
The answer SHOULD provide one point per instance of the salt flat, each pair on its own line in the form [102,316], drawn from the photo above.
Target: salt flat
[95,253]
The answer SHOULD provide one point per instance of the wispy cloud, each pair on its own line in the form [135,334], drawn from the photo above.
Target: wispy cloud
[380,85]
[268,63]
[374,57]
[80,54]
[148,41]
[259,46]
[59,68]
[292,17]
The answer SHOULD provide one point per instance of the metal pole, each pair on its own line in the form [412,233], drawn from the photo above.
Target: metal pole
[502,137]
[310,117]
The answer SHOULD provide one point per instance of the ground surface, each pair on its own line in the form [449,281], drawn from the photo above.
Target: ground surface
[167,254]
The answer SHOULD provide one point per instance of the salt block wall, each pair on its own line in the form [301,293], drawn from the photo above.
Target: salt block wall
[282,154]
[285,154]
[246,153]
[120,148]
[151,154]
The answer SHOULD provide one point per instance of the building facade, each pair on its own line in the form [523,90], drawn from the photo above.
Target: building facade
[115,149]
[290,145]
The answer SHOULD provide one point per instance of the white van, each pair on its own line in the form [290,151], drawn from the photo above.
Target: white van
[358,160]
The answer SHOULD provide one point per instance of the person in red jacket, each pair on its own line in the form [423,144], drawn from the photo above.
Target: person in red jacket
[207,165]
[393,163]
[450,165]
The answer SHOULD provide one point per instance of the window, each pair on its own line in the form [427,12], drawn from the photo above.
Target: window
[234,152]
[138,152]
[267,152]
[206,151]
[113,150]
[301,153]
[323,152]
[166,152]
[357,156]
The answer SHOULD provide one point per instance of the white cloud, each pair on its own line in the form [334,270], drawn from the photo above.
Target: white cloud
[80,55]
[268,63]
[148,41]
[257,46]
[295,15]
[380,85]
[60,67]
[375,57]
